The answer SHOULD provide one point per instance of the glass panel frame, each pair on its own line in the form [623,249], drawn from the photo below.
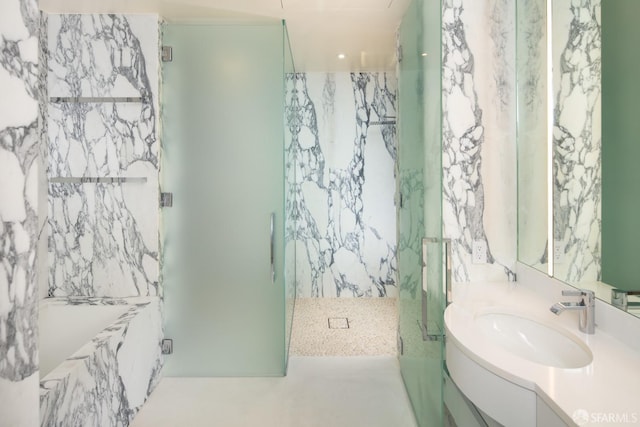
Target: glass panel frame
[290,178]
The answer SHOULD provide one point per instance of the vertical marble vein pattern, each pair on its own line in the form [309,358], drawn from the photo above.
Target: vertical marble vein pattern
[106,382]
[479,190]
[19,151]
[43,184]
[343,145]
[103,237]
[577,140]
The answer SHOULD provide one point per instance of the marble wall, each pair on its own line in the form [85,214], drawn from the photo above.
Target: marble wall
[479,136]
[577,136]
[103,238]
[19,145]
[343,144]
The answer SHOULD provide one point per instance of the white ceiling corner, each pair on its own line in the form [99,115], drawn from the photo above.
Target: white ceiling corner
[363,30]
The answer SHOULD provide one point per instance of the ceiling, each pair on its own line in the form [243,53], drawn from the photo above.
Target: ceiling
[320,30]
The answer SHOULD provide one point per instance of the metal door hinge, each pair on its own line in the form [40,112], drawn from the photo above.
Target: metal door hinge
[399,53]
[166,200]
[167,54]
[167,346]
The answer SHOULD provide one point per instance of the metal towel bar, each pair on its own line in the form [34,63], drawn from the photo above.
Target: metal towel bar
[96,99]
[97,180]
[426,334]
[272,249]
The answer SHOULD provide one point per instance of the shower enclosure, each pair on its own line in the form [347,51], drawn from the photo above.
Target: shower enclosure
[421,247]
[228,302]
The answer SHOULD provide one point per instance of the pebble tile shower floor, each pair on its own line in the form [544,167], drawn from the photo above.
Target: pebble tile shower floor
[320,328]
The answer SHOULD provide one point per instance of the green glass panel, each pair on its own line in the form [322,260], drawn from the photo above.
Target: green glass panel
[620,147]
[223,160]
[420,210]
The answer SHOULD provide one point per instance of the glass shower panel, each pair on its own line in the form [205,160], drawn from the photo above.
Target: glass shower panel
[223,149]
[420,246]
[290,162]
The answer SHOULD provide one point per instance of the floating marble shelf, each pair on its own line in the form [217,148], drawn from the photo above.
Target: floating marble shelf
[96,100]
[97,180]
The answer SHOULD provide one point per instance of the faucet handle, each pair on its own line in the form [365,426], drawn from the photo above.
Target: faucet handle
[577,292]
[589,294]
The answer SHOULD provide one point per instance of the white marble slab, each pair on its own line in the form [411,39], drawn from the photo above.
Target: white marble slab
[103,238]
[19,151]
[343,148]
[577,138]
[479,155]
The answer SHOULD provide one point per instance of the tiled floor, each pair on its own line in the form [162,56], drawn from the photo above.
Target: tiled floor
[363,389]
[318,392]
[371,327]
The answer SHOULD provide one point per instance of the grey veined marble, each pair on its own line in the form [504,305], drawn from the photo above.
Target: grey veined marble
[19,145]
[103,238]
[477,89]
[577,140]
[107,380]
[343,149]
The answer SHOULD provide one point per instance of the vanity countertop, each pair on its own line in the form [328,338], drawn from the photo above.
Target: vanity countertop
[608,389]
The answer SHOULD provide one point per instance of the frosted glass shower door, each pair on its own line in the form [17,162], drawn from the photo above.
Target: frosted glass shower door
[421,257]
[223,160]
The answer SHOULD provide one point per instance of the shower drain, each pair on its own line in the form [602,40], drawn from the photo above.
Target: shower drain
[338,323]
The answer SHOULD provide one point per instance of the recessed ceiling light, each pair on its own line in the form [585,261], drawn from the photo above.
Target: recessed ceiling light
[424,54]
[341,56]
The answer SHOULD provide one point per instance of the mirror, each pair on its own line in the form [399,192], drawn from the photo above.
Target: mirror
[577,133]
[531,65]
[620,171]
[592,105]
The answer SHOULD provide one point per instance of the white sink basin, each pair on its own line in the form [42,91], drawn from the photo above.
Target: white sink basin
[534,340]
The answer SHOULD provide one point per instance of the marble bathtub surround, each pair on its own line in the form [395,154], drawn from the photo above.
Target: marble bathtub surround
[577,136]
[106,382]
[478,136]
[343,143]
[103,238]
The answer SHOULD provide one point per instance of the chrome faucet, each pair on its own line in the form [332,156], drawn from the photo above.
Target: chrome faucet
[587,307]
[620,299]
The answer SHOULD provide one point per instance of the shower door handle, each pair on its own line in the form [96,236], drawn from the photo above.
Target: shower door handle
[272,256]
[423,323]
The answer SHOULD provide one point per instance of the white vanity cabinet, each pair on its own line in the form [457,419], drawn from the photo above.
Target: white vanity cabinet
[565,378]
[546,417]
